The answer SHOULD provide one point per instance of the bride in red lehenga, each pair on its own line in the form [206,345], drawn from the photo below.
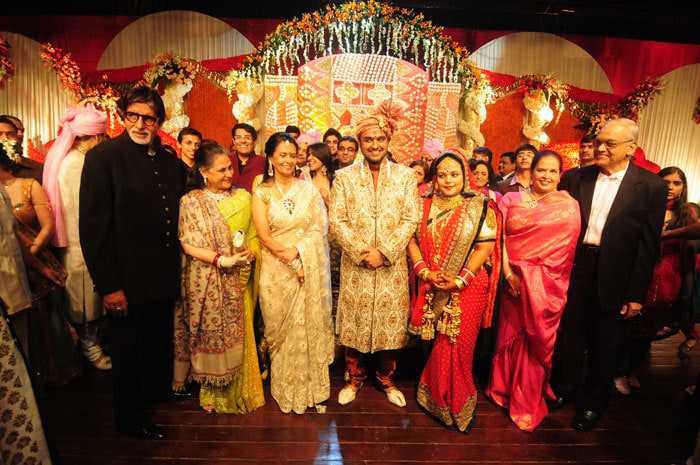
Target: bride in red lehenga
[457,240]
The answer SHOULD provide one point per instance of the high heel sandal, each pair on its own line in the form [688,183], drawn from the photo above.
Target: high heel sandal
[685,346]
[103,362]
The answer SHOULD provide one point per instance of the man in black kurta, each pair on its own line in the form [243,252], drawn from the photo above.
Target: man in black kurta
[129,199]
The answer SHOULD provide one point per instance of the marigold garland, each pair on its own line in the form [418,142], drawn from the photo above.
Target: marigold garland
[66,69]
[102,95]
[368,27]
[169,69]
[7,69]
[593,115]
[538,86]
[543,87]
[596,114]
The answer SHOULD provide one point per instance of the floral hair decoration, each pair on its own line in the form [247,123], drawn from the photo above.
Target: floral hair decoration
[10,147]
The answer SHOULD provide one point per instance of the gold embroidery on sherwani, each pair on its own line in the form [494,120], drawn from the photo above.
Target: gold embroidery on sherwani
[373,305]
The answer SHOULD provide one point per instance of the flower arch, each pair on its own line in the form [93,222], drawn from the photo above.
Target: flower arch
[367,27]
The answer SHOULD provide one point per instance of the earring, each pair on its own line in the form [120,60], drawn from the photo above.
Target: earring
[205,180]
[270,170]
[324,170]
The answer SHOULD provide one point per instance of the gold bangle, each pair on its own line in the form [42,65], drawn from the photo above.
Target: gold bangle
[459,283]
[423,275]
[508,276]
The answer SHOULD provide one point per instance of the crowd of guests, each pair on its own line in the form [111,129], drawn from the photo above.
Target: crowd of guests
[333,244]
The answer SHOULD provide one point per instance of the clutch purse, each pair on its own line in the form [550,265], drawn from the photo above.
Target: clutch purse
[239,241]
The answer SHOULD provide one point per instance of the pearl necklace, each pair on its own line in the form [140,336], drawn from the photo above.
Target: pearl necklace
[287,202]
[535,200]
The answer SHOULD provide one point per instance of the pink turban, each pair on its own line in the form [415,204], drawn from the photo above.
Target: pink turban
[76,122]
[386,117]
[433,147]
[310,137]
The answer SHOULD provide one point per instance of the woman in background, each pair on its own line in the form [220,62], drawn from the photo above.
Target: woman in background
[541,227]
[321,169]
[421,168]
[482,173]
[668,301]
[295,280]
[214,339]
[322,175]
[303,142]
[43,330]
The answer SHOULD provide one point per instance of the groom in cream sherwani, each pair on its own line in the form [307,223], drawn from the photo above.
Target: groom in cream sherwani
[373,214]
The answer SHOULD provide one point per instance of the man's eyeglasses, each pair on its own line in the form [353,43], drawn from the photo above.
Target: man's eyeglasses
[242,137]
[609,143]
[132,117]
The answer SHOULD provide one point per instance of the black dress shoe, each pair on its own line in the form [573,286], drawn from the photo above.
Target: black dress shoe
[182,394]
[585,420]
[557,404]
[169,395]
[148,432]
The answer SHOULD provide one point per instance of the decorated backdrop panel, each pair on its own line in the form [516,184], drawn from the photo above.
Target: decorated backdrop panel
[280,104]
[502,129]
[337,90]
[442,112]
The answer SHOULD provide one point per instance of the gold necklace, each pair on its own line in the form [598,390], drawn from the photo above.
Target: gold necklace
[447,203]
[9,183]
[535,200]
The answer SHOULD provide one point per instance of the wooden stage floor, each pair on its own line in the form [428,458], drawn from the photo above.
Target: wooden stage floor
[637,429]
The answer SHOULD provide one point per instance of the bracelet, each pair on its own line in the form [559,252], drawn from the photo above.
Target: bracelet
[466,275]
[295,264]
[423,275]
[460,283]
[216,259]
[508,276]
[419,267]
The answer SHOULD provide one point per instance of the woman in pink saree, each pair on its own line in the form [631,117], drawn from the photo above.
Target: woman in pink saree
[541,227]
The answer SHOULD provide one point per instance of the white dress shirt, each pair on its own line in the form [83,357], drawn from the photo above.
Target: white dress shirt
[606,188]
